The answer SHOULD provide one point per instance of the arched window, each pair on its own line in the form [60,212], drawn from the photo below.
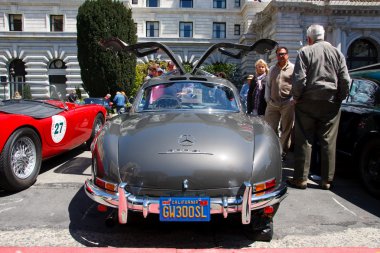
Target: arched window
[16,76]
[361,53]
[57,77]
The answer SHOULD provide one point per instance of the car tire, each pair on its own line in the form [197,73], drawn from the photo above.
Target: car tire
[20,160]
[260,228]
[98,123]
[369,167]
[265,232]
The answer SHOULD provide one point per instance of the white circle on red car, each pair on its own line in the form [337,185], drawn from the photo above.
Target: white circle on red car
[58,128]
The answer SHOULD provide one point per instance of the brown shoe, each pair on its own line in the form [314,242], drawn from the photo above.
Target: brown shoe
[297,183]
[325,185]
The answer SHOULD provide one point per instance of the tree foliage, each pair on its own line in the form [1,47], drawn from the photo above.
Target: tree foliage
[26,92]
[78,92]
[142,71]
[230,69]
[104,71]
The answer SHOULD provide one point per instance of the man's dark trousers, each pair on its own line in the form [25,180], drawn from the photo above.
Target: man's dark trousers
[320,119]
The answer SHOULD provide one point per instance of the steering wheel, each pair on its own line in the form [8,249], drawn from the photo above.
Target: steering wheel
[167,101]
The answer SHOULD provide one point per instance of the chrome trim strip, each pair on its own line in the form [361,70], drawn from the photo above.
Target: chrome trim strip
[223,206]
[247,204]
[123,209]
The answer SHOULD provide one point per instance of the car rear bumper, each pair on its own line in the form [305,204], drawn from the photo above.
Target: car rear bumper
[124,201]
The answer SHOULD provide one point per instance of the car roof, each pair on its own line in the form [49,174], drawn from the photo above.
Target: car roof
[187,77]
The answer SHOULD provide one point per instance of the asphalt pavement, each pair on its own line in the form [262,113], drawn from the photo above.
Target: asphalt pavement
[56,213]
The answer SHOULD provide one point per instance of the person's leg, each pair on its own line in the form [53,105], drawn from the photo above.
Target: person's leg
[272,116]
[327,132]
[287,121]
[304,135]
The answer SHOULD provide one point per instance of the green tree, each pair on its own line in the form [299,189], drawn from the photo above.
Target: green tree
[78,92]
[230,69]
[26,92]
[104,71]
[187,66]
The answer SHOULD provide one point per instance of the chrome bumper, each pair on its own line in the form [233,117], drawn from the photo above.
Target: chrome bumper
[124,201]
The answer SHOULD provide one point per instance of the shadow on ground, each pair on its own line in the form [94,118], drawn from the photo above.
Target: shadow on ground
[87,226]
[68,162]
[346,184]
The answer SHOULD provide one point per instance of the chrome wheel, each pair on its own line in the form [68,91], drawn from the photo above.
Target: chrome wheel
[98,125]
[23,157]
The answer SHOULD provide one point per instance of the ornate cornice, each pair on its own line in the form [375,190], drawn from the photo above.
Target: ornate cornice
[336,8]
[315,7]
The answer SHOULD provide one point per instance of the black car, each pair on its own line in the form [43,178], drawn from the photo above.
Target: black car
[359,131]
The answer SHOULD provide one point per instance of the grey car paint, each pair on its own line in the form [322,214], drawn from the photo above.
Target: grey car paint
[187,135]
[144,150]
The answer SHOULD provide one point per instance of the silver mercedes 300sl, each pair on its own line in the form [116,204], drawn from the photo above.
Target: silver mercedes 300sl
[187,150]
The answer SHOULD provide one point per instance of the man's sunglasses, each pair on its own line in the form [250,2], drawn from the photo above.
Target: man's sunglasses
[281,54]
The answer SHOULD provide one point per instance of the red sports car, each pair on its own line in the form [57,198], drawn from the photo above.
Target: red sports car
[34,130]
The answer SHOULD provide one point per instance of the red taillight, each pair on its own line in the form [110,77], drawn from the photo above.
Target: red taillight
[263,187]
[268,210]
[270,183]
[100,183]
[102,208]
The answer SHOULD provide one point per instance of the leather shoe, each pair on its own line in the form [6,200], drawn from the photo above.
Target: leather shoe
[297,183]
[325,185]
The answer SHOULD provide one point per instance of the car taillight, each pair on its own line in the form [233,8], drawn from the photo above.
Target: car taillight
[262,187]
[268,210]
[271,183]
[105,185]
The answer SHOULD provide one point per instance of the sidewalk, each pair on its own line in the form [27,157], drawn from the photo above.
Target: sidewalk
[171,250]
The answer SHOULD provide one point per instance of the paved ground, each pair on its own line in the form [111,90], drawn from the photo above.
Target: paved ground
[56,212]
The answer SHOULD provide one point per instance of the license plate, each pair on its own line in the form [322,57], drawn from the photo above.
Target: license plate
[184,209]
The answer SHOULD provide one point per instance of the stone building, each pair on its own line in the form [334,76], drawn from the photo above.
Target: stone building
[38,37]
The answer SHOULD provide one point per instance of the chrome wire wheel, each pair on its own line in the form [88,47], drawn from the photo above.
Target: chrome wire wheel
[23,157]
[98,125]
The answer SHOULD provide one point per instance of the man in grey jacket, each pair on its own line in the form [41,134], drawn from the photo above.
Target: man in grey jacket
[320,83]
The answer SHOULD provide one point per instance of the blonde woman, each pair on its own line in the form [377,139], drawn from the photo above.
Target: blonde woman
[256,103]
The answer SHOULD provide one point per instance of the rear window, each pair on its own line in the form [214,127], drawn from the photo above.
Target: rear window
[187,96]
[364,92]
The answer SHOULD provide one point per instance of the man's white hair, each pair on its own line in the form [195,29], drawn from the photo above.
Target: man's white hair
[316,32]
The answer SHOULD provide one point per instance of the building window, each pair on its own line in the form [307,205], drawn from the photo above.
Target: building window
[57,78]
[15,22]
[152,3]
[152,29]
[237,3]
[237,30]
[135,1]
[361,53]
[186,29]
[219,30]
[220,4]
[186,3]
[56,23]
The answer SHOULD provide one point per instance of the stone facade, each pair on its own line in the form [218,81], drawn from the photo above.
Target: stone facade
[345,22]
[33,50]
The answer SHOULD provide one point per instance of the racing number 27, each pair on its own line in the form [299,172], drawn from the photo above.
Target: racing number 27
[58,128]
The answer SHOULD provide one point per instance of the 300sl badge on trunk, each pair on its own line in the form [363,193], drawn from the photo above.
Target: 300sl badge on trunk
[184,209]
